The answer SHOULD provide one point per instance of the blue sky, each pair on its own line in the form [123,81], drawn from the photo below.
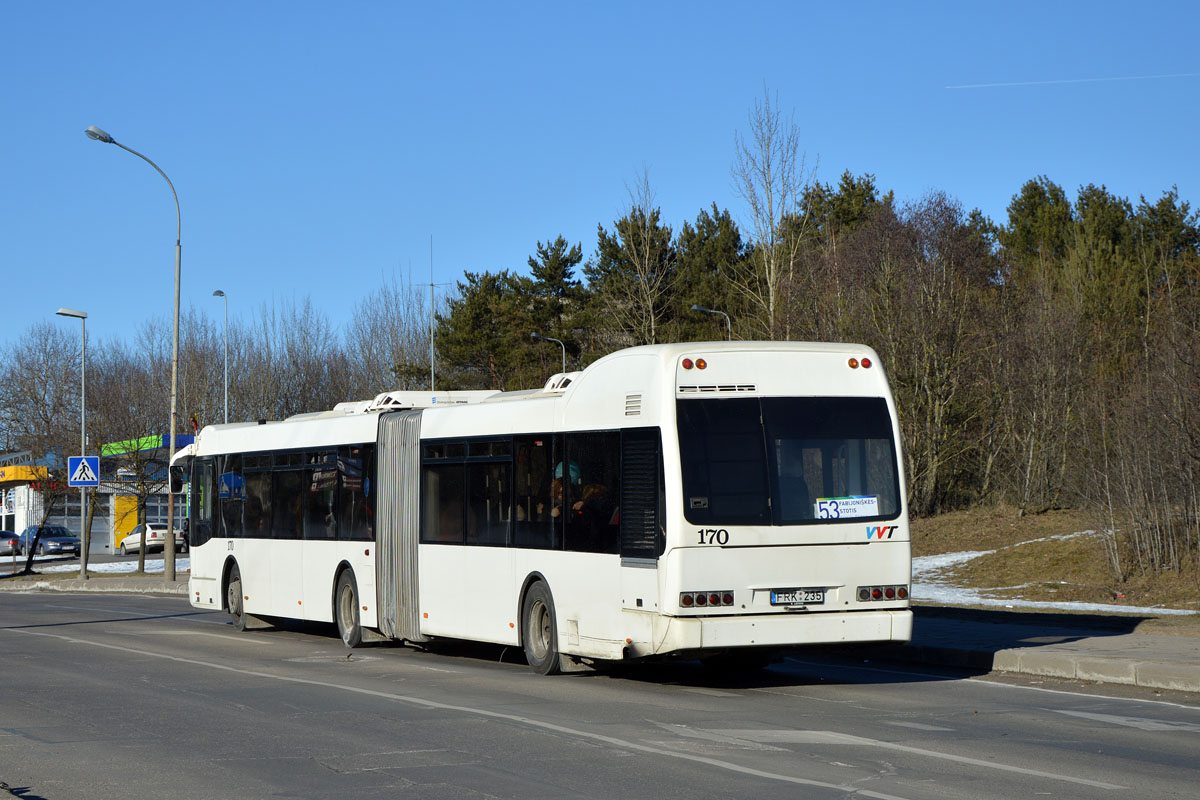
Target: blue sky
[316,147]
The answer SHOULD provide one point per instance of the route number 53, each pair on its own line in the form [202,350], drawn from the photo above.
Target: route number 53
[828,509]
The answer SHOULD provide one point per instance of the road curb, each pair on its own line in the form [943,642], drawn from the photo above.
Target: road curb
[1056,664]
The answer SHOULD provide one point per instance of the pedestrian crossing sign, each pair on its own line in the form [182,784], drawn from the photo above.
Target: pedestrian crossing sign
[83,471]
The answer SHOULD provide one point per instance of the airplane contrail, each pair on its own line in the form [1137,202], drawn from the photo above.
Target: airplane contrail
[1074,80]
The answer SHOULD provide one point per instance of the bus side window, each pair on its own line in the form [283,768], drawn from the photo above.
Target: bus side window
[443,493]
[356,499]
[488,510]
[258,505]
[590,506]
[536,525]
[320,495]
[288,501]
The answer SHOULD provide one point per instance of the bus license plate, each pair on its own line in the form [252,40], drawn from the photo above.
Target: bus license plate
[794,597]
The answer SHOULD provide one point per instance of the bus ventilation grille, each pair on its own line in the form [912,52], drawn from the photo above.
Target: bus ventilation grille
[633,405]
[725,387]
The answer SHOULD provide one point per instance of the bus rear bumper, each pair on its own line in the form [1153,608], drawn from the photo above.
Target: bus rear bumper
[678,634]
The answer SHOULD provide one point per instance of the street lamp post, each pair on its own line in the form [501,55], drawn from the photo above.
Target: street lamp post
[84,534]
[728,324]
[169,548]
[536,335]
[222,295]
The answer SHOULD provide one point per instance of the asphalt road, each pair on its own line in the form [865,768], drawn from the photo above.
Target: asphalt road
[144,697]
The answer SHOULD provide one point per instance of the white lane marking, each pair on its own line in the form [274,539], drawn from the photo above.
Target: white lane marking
[712,736]
[1141,723]
[916,725]
[419,701]
[225,636]
[707,692]
[98,608]
[789,736]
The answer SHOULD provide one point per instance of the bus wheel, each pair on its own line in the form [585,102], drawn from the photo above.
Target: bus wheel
[538,630]
[233,599]
[347,610]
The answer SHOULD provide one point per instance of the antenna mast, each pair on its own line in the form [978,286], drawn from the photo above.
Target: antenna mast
[431,313]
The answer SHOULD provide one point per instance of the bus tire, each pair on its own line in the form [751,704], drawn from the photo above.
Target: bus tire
[233,598]
[539,630]
[346,609]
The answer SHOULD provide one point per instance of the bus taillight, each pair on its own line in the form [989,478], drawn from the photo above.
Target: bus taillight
[867,594]
[717,598]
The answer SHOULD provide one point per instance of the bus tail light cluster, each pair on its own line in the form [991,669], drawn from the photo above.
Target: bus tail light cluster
[855,363]
[705,599]
[869,594]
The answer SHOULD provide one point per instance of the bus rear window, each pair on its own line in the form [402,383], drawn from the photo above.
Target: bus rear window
[787,460]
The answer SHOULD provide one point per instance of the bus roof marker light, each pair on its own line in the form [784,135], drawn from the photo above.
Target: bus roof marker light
[853,363]
[687,363]
[866,362]
[701,363]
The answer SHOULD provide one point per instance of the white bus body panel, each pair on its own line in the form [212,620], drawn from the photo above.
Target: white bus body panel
[606,607]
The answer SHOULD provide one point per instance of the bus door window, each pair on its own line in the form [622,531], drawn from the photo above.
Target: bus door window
[489,485]
[536,524]
[591,500]
[356,500]
[204,503]
[320,495]
[641,512]
[231,495]
[257,515]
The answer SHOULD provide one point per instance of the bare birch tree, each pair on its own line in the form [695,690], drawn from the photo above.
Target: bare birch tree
[770,175]
[634,270]
[387,340]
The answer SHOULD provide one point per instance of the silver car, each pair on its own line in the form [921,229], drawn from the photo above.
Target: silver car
[54,541]
[8,543]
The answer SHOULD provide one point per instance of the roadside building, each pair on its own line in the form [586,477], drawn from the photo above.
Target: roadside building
[130,471]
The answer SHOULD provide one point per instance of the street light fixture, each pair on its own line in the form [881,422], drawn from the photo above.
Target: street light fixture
[728,324]
[536,335]
[84,536]
[99,135]
[221,294]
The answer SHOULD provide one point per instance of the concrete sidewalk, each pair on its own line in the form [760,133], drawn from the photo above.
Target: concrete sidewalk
[1087,647]
[120,584]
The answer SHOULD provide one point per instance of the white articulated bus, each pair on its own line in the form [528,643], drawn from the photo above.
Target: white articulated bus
[706,499]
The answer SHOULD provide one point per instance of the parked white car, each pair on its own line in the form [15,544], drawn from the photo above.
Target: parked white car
[156,539]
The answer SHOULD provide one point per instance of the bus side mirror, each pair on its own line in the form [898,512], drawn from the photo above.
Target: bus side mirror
[178,479]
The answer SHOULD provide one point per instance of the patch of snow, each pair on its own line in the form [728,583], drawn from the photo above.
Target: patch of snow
[115,567]
[928,586]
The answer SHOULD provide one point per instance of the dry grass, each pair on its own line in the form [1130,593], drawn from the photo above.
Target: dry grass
[1038,559]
